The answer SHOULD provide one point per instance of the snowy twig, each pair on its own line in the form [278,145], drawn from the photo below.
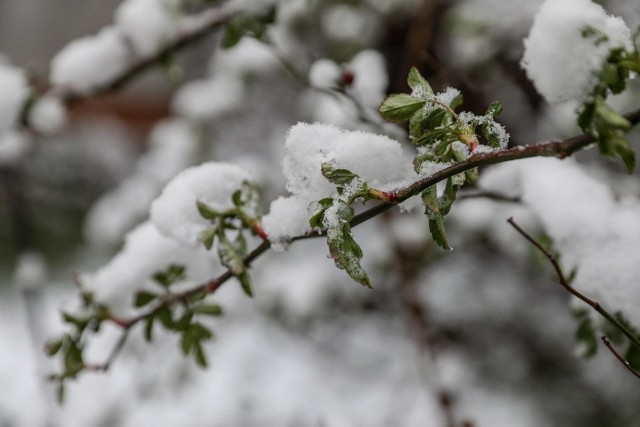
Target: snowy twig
[207,22]
[618,356]
[560,149]
[573,291]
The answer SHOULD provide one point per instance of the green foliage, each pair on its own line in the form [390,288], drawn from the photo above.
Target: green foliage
[248,24]
[598,118]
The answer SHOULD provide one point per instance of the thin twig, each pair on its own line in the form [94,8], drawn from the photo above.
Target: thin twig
[618,356]
[573,291]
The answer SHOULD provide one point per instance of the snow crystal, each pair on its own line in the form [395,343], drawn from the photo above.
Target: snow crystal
[175,212]
[324,74]
[147,24]
[594,233]
[206,99]
[90,61]
[447,96]
[14,92]
[48,115]
[145,252]
[562,62]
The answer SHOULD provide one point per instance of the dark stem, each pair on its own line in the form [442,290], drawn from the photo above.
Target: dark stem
[573,291]
[618,356]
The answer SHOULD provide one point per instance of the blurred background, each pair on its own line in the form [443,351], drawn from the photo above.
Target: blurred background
[481,336]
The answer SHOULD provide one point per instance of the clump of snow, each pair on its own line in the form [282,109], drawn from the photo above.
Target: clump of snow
[593,231]
[378,160]
[206,99]
[175,212]
[90,61]
[48,115]
[13,93]
[249,56]
[324,74]
[30,272]
[561,58]
[447,96]
[147,24]
[371,80]
[145,252]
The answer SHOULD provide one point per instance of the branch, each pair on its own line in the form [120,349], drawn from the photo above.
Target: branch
[573,291]
[557,148]
[618,356]
[207,22]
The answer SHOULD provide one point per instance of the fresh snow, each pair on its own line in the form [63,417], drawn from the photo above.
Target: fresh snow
[562,63]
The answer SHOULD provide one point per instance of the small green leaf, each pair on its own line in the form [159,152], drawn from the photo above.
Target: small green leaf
[184,322]
[494,109]
[400,106]
[143,298]
[344,250]
[174,273]
[165,316]
[585,117]
[148,329]
[208,309]
[200,356]
[245,283]
[456,102]
[206,211]
[73,360]
[586,337]
[317,219]
[229,257]
[621,148]
[51,348]
[207,237]
[416,124]
[187,340]
[417,82]
[632,356]
[337,176]
[436,220]
[435,118]
[60,389]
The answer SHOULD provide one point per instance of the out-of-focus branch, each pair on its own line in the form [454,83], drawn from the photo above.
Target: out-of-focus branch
[573,291]
[618,356]
[207,22]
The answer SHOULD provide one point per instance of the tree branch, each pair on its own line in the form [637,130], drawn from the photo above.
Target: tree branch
[618,356]
[207,22]
[573,291]
[560,149]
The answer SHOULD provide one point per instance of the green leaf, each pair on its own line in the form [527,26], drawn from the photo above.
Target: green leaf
[435,118]
[417,82]
[53,347]
[585,117]
[450,192]
[229,257]
[436,220]
[143,298]
[416,124]
[586,336]
[614,77]
[233,34]
[200,356]
[208,309]
[148,329]
[174,273]
[60,389]
[632,356]
[621,148]
[400,106]
[206,211]
[187,340]
[184,322]
[73,360]
[494,109]
[208,236]
[78,322]
[344,250]
[456,102]
[245,283]
[317,219]
[165,316]
[337,176]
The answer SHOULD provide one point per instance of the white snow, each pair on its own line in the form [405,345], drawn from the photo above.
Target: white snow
[175,212]
[287,217]
[324,74]
[145,252]
[593,231]
[90,61]
[13,94]
[13,145]
[370,77]
[202,100]
[562,63]
[47,115]
[147,24]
